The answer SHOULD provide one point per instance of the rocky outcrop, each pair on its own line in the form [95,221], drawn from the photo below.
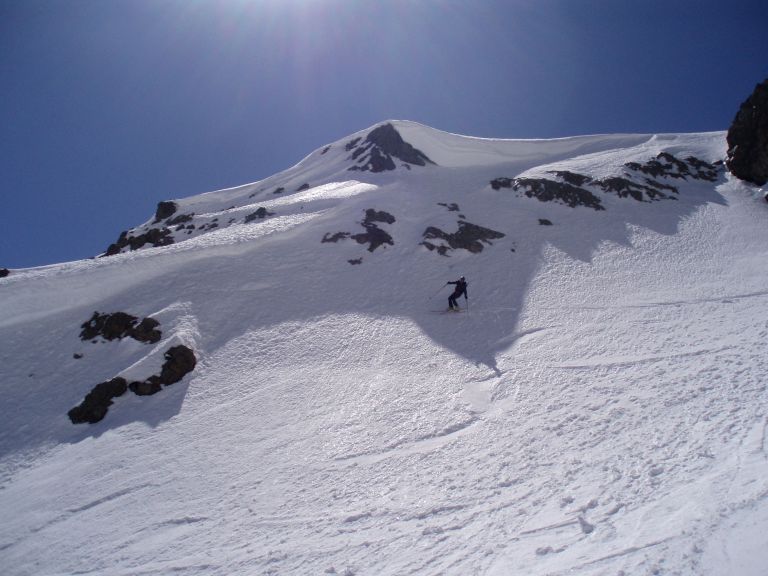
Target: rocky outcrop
[452,207]
[179,361]
[468,237]
[546,190]
[154,237]
[120,325]
[328,237]
[165,209]
[639,181]
[180,219]
[4,272]
[748,138]
[260,214]
[666,165]
[380,149]
[94,406]
[373,235]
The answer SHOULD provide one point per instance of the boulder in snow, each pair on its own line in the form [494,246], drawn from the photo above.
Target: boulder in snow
[120,325]
[95,405]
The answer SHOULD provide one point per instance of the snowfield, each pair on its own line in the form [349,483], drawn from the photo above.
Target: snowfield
[598,408]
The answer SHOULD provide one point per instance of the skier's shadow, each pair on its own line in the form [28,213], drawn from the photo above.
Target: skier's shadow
[490,325]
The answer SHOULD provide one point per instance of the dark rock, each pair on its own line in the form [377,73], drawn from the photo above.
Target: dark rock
[303,187]
[352,143]
[120,325]
[279,190]
[468,237]
[260,213]
[95,405]
[325,150]
[4,272]
[150,386]
[165,209]
[623,187]
[748,138]
[372,215]
[355,261]
[546,190]
[572,189]
[108,326]
[666,165]
[380,147]
[373,235]
[441,249]
[499,183]
[452,207]
[179,361]
[77,356]
[180,219]
[705,170]
[572,177]
[545,222]
[154,237]
[376,161]
[335,237]
[146,331]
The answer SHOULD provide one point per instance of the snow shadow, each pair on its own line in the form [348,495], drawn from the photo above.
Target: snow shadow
[500,279]
[277,284]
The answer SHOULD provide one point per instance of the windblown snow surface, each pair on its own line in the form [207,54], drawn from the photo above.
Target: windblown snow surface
[598,408]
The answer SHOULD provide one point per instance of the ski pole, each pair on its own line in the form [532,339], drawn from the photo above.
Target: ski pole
[438,290]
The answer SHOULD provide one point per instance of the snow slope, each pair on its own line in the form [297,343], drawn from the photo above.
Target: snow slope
[599,408]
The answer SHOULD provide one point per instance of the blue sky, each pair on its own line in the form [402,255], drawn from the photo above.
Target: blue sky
[109,106]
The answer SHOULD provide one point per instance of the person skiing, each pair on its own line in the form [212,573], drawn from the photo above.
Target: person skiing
[461,288]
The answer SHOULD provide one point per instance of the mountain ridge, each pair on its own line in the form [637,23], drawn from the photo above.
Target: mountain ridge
[357,153]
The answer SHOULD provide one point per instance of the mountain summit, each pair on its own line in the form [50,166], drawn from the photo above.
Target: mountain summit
[263,379]
[380,147]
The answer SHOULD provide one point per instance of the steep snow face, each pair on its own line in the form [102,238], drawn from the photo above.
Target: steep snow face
[598,406]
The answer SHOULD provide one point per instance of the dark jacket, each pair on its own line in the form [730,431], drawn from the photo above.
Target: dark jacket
[461,288]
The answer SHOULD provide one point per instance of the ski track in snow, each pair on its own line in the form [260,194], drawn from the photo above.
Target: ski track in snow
[600,408]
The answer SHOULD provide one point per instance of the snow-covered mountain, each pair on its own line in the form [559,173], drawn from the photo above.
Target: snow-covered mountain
[263,379]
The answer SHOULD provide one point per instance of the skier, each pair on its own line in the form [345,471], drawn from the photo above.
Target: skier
[461,288]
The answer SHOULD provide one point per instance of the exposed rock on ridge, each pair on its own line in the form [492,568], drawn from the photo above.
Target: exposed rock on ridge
[638,182]
[380,147]
[748,138]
